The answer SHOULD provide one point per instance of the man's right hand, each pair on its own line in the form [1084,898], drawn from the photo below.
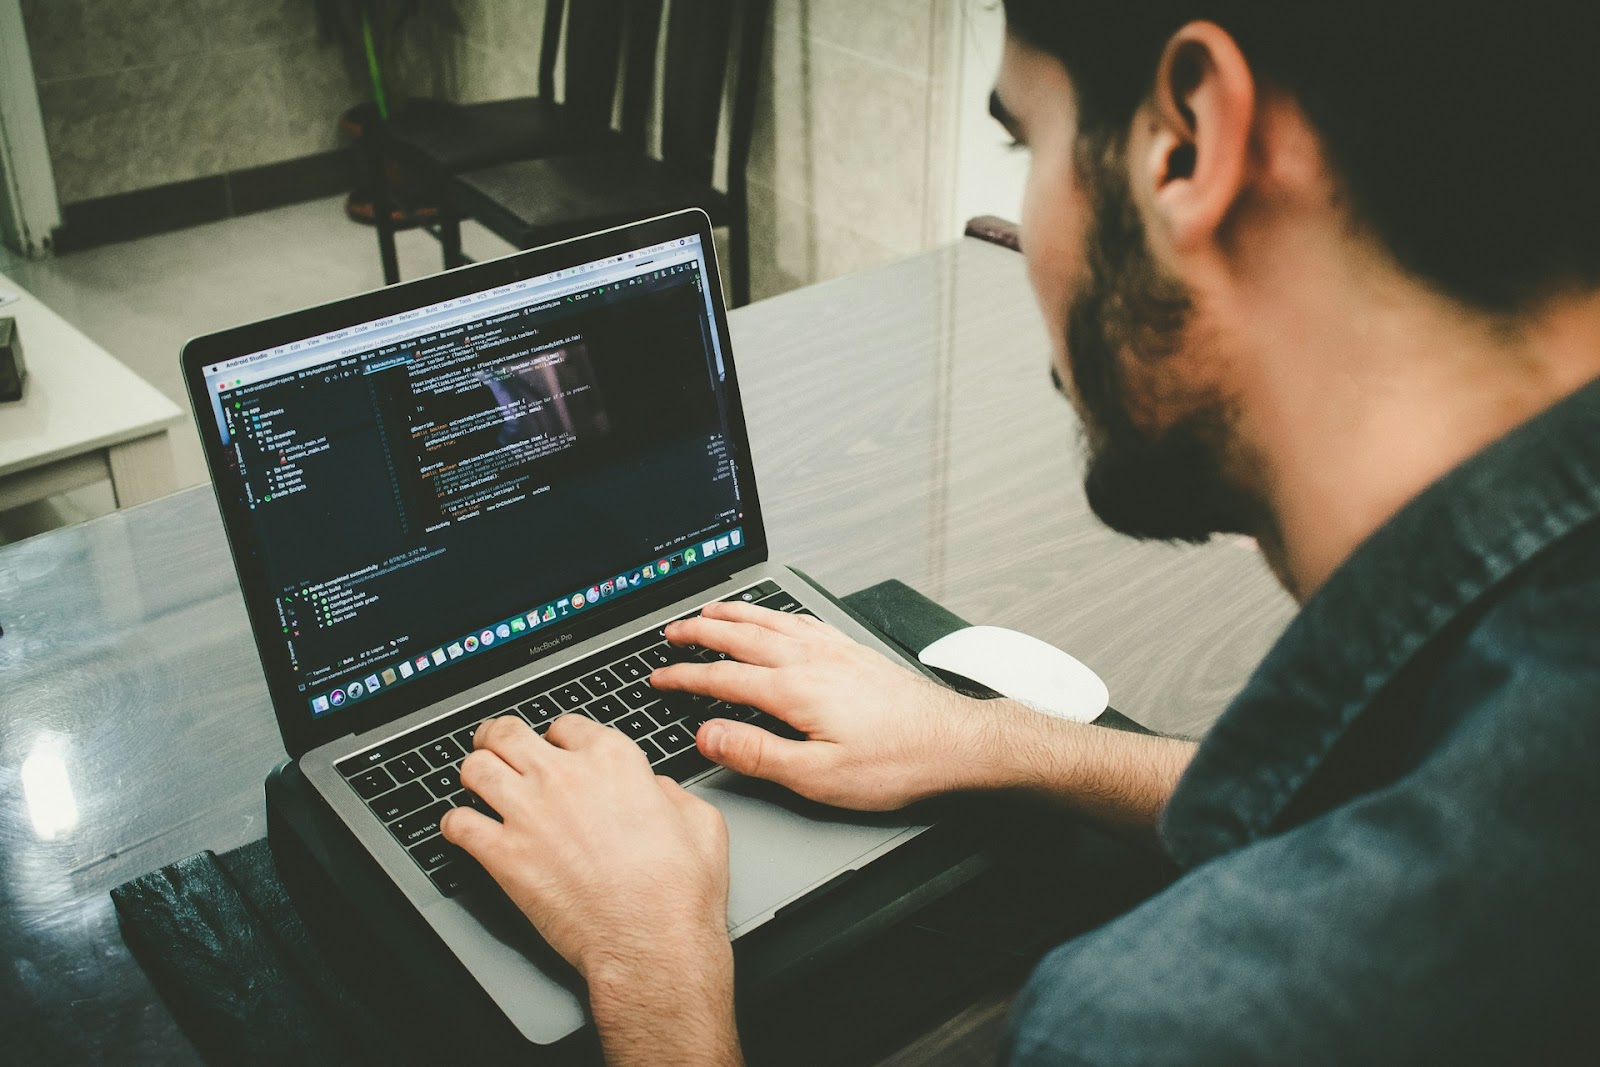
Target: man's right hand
[880,737]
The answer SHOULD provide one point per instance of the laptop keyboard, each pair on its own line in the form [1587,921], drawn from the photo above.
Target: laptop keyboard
[411,781]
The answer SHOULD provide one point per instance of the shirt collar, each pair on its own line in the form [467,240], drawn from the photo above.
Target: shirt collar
[1422,569]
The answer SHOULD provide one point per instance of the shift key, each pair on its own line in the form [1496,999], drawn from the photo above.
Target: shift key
[414,828]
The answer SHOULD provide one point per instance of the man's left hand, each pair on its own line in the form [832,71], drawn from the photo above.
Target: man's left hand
[621,871]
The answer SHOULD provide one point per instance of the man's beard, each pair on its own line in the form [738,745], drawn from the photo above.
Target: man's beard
[1168,485]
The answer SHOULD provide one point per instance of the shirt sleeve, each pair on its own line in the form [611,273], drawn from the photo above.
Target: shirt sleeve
[1450,917]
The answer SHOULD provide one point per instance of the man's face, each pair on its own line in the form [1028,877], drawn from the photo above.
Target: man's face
[1123,326]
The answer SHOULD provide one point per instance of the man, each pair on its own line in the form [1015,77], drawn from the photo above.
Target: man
[1325,274]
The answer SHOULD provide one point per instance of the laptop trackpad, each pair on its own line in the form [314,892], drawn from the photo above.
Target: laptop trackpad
[781,846]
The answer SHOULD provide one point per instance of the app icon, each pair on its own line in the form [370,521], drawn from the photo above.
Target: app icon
[661,566]
[503,630]
[438,656]
[470,644]
[722,543]
[517,626]
[422,663]
[455,650]
[486,638]
[688,555]
[649,570]
[320,704]
[577,601]
[405,669]
[607,587]
[708,548]
[354,689]
[736,536]
[563,606]
[372,683]
[388,676]
[593,594]
[336,697]
[549,613]
[533,617]
[635,578]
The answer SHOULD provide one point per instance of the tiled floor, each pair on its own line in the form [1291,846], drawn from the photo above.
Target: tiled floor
[141,300]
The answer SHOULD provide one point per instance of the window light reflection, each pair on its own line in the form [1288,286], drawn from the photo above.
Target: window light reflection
[48,790]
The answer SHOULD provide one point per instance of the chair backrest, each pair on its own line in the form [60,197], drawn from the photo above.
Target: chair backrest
[707,43]
[550,48]
[593,45]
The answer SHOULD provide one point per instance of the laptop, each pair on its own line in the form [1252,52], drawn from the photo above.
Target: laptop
[485,493]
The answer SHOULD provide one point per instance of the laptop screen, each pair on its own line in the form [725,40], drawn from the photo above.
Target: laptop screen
[463,476]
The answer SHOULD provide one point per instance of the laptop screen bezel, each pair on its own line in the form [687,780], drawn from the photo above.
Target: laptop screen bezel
[301,731]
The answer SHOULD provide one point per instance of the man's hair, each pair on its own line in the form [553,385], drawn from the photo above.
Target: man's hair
[1465,134]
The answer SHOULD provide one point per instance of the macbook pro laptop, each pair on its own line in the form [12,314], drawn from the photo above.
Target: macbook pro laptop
[485,493]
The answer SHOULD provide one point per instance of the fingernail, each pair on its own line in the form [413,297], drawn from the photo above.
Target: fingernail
[711,735]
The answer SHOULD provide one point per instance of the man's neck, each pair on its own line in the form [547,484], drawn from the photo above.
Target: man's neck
[1372,399]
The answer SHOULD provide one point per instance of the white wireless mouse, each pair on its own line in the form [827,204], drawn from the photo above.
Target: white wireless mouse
[1023,668]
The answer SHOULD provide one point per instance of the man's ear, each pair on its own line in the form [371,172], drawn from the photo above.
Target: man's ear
[1201,115]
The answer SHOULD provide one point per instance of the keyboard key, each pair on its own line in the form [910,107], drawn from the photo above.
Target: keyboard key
[539,709]
[631,669]
[665,714]
[651,749]
[636,724]
[638,695]
[467,799]
[398,802]
[434,852]
[443,782]
[743,712]
[372,783]
[407,767]
[779,601]
[684,765]
[442,752]
[422,825]
[365,761]
[452,878]
[661,655]
[600,682]
[464,737]
[755,592]
[570,697]
[607,708]
[673,739]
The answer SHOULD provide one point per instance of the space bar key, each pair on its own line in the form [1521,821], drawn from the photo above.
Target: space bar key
[683,766]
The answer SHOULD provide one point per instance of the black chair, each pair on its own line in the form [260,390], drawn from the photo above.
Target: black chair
[707,44]
[433,139]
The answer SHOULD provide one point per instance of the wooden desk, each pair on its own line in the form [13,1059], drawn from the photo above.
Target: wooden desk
[83,417]
[903,426]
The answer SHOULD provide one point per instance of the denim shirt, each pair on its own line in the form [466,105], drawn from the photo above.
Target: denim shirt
[1390,841]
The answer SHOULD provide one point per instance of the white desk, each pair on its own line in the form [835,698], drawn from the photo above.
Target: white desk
[83,417]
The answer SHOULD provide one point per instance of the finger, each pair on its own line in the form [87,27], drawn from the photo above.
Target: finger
[512,739]
[730,680]
[472,831]
[486,774]
[574,730]
[738,611]
[758,753]
[743,641]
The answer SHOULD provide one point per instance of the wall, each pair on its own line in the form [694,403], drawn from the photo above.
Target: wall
[140,93]
[854,136]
